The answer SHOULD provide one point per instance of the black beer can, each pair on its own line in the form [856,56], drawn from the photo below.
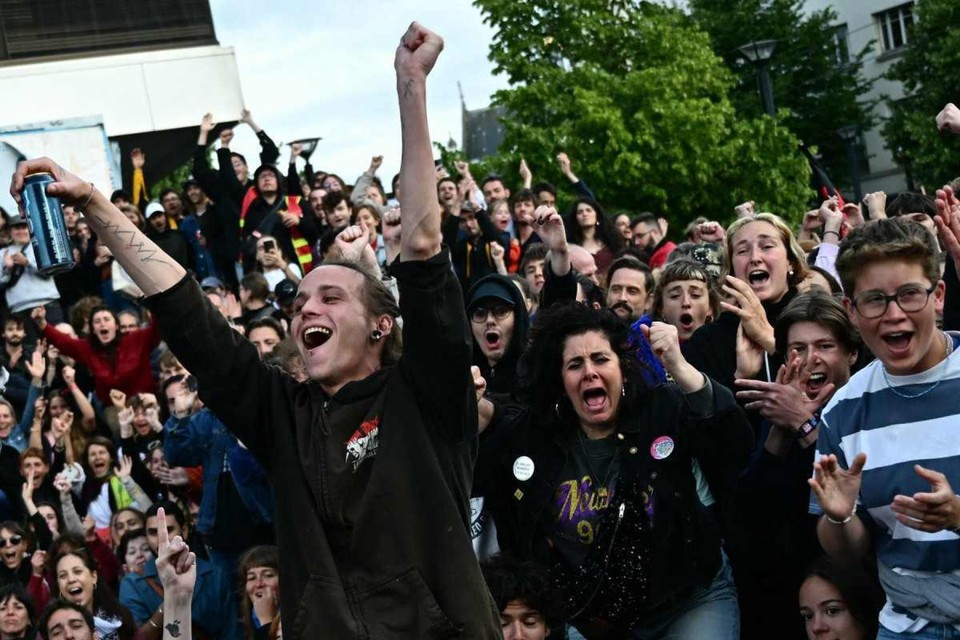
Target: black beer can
[48,229]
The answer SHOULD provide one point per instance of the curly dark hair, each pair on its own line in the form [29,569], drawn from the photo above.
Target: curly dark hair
[542,384]
[510,579]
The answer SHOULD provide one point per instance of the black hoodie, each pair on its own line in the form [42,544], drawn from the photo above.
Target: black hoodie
[501,378]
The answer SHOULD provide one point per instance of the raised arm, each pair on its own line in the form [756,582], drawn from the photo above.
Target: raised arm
[149,267]
[416,55]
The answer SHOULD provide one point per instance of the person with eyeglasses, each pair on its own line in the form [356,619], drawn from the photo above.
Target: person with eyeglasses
[499,322]
[887,447]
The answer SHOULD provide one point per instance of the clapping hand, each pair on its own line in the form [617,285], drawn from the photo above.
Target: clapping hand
[948,222]
[931,511]
[835,488]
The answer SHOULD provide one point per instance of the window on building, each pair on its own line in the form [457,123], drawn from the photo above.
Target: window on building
[842,43]
[893,24]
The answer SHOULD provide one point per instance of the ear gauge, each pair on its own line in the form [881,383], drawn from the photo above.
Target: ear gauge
[376,335]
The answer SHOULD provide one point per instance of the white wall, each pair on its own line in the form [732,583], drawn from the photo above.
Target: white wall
[132,92]
[885,175]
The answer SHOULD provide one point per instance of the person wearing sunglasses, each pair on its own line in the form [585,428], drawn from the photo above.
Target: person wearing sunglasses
[16,564]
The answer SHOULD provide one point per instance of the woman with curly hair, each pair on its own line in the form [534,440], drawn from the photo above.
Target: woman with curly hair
[592,477]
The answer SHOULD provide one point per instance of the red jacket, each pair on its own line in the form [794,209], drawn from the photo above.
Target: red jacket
[129,372]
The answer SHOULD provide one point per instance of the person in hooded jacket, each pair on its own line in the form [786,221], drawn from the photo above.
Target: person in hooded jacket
[499,323]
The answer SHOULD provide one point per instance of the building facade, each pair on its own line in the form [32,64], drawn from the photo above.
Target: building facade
[147,70]
[880,25]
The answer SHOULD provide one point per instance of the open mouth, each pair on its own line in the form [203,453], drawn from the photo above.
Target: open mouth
[897,341]
[758,277]
[595,398]
[492,338]
[686,320]
[313,337]
[815,382]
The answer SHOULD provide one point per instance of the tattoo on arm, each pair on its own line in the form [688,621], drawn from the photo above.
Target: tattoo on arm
[173,628]
[407,88]
[143,253]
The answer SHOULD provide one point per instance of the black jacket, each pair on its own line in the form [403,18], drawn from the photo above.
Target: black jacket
[685,541]
[373,535]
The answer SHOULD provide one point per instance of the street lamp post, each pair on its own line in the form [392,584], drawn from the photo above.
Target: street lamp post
[849,135]
[759,53]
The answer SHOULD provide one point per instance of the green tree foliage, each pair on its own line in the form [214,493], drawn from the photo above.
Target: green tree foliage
[926,71]
[637,98]
[818,91]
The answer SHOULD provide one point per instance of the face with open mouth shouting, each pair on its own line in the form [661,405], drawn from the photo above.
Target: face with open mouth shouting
[592,380]
[99,460]
[491,322]
[760,259]
[104,326]
[825,358]
[14,546]
[76,581]
[905,342]
[333,327]
[686,305]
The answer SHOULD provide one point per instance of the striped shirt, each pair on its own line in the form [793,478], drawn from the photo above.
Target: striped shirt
[896,433]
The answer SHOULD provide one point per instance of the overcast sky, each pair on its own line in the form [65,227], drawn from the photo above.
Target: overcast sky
[326,69]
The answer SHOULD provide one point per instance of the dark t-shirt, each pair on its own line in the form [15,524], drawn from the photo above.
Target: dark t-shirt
[586,490]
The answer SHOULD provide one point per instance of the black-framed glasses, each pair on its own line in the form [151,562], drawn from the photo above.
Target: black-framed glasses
[910,298]
[499,312]
[12,541]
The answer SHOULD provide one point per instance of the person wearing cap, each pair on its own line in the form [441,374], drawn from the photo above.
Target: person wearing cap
[374,454]
[24,287]
[267,211]
[171,241]
[471,236]
[284,293]
[499,322]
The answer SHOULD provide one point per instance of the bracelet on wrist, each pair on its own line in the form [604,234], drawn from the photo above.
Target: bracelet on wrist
[836,233]
[841,522]
[809,426]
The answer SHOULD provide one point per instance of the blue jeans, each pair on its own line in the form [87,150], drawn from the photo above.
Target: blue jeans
[930,632]
[711,613]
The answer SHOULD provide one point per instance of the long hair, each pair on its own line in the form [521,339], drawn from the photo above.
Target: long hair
[606,230]
[92,337]
[105,602]
[857,585]
[261,556]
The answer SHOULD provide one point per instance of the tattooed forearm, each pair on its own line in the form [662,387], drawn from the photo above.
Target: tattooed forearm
[129,236]
[407,88]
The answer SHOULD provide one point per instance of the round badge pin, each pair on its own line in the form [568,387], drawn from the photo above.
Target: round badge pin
[661,448]
[523,468]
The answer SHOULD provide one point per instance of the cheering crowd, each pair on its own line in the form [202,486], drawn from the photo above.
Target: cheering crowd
[450,409]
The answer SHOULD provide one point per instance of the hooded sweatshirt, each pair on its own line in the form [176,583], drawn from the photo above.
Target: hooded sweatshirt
[502,376]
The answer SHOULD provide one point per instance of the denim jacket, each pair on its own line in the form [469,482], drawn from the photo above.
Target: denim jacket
[202,439]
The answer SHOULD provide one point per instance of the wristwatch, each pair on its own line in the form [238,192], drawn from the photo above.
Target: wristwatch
[808,427]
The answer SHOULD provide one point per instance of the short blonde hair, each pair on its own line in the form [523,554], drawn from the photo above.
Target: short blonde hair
[795,255]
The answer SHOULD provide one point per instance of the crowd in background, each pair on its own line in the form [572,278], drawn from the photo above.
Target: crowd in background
[708,485]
